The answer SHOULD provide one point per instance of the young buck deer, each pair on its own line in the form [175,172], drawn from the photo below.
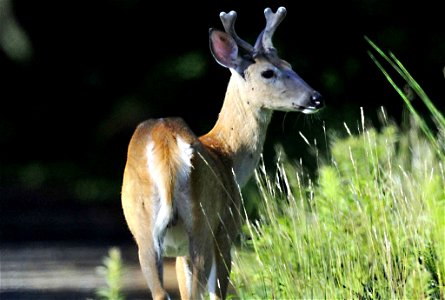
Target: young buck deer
[180,192]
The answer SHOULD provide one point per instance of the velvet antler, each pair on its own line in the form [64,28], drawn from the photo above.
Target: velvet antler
[264,41]
[228,20]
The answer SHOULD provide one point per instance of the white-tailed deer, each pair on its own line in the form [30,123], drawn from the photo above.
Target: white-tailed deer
[180,192]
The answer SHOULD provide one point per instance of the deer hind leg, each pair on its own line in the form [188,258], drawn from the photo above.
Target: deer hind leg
[184,275]
[150,243]
[152,268]
[150,256]
[140,220]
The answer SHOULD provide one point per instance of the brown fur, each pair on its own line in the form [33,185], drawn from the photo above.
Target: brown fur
[214,193]
[205,202]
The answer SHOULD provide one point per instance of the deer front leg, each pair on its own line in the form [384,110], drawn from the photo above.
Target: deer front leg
[218,277]
[222,264]
[201,254]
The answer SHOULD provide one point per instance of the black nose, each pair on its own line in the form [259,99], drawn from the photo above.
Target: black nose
[317,100]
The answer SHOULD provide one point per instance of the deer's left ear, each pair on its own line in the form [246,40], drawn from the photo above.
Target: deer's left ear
[224,49]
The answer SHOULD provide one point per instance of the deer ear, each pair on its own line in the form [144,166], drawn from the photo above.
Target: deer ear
[224,49]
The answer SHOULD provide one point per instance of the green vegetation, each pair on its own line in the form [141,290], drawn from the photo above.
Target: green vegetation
[370,226]
[112,271]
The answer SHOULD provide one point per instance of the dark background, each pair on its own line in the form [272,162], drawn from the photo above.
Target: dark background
[78,76]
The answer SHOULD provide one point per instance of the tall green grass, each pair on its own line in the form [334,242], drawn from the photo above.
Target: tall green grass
[370,226]
[437,141]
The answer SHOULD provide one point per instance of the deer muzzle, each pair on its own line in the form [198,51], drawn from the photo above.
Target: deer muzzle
[315,104]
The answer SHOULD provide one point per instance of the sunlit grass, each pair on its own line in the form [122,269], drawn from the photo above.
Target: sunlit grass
[371,226]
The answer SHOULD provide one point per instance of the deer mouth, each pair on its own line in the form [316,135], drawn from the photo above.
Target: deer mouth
[309,110]
[305,109]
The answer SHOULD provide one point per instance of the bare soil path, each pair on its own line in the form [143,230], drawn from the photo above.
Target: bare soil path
[68,271]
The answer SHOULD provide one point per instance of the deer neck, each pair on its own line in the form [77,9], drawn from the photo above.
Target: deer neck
[240,131]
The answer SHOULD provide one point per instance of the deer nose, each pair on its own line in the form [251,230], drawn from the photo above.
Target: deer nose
[317,100]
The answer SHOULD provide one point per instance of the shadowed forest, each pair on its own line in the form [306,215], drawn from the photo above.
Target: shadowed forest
[78,76]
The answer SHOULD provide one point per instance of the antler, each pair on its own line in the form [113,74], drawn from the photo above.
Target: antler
[228,21]
[264,40]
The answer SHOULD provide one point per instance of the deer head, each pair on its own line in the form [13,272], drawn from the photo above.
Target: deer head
[263,77]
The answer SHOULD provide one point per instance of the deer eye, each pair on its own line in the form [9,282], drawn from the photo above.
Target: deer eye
[268,74]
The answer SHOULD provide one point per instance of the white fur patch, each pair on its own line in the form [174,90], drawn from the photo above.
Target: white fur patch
[185,155]
[164,210]
[154,169]
[188,277]
[162,219]
[212,282]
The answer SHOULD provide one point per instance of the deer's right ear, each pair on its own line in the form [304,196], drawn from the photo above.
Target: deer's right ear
[224,49]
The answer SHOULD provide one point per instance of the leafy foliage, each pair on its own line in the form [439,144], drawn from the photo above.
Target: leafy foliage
[111,270]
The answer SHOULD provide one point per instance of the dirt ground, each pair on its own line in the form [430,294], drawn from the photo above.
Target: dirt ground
[69,271]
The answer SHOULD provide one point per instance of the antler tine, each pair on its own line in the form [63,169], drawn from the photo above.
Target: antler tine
[272,22]
[228,20]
